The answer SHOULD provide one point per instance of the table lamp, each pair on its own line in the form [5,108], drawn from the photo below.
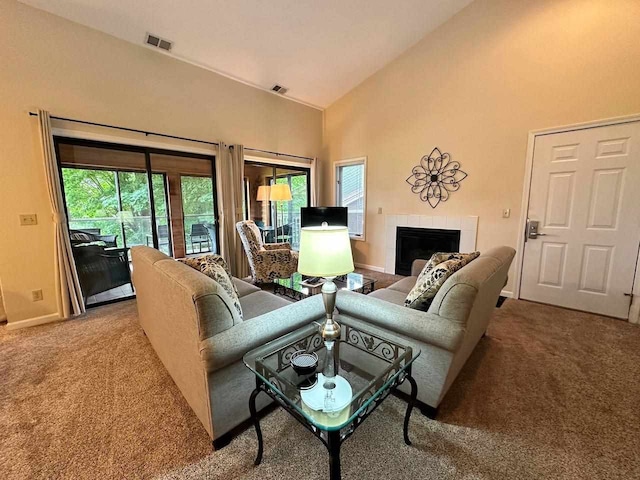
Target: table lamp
[326,252]
[263,193]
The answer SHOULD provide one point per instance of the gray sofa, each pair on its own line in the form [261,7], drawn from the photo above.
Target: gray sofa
[194,334]
[448,332]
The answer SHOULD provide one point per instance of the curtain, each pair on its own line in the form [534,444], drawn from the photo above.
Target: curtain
[67,286]
[314,183]
[229,175]
[3,315]
[237,162]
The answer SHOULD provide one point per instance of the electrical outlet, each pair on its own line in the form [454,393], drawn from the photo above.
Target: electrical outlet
[506,213]
[36,295]
[28,219]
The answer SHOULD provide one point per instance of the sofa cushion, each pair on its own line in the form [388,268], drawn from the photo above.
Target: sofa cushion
[389,295]
[437,270]
[213,266]
[244,288]
[213,309]
[261,302]
[83,236]
[405,285]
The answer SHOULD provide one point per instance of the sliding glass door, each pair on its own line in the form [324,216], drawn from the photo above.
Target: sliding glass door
[192,220]
[276,211]
[199,219]
[288,212]
[118,196]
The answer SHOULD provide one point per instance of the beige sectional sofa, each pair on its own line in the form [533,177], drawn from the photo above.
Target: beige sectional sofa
[195,335]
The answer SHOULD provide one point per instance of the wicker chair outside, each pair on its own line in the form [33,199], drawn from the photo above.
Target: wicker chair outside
[100,270]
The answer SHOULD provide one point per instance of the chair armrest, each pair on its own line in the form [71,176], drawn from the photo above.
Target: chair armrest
[277,246]
[421,326]
[230,345]
[417,266]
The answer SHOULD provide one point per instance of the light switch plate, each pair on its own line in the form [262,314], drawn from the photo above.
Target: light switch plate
[506,213]
[36,295]
[28,219]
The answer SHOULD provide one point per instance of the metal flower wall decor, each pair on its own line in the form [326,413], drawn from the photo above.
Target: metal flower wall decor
[436,177]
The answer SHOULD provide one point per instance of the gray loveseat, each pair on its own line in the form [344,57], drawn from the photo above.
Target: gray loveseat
[448,332]
[194,334]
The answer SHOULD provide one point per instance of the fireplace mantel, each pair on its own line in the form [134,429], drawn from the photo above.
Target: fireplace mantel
[468,227]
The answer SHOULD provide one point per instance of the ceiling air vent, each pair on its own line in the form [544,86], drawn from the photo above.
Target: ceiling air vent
[158,42]
[279,89]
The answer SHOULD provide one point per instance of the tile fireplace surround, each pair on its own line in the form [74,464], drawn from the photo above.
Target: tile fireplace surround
[468,227]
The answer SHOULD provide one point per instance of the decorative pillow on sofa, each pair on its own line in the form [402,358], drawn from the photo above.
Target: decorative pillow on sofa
[437,270]
[215,267]
[201,263]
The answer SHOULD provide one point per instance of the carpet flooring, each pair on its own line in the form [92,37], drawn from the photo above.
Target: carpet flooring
[549,393]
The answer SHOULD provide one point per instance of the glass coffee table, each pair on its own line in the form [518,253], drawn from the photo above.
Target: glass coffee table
[367,368]
[297,288]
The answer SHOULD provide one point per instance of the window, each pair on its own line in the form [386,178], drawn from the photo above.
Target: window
[351,192]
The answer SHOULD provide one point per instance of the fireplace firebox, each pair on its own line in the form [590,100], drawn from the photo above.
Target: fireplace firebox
[413,243]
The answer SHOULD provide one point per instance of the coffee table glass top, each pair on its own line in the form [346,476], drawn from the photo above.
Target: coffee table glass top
[367,366]
[351,281]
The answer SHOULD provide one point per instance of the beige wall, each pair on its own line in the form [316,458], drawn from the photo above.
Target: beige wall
[76,72]
[475,87]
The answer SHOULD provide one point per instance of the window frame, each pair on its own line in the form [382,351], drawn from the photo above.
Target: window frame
[337,166]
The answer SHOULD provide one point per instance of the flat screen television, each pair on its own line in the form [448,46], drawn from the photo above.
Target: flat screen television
[314,216]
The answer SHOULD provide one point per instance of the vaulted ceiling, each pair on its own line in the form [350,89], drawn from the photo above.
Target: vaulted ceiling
[318,49]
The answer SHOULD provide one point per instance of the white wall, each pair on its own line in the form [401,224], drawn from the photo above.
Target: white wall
[77,72]
[475,87]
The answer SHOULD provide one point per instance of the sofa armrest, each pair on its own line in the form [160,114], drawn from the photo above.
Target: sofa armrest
[277,246]
[230,345]
[417,266]
[421,326]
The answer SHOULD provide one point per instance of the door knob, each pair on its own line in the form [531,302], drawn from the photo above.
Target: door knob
[532,229]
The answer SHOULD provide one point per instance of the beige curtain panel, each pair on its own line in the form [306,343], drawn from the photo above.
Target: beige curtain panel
[67,286]
[230,174]
[314,182]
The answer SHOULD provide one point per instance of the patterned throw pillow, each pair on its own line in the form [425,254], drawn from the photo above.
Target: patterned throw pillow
[201,263]
[215,267]
[437,270]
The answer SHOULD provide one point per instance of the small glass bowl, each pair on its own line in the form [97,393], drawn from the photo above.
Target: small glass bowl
[304,363]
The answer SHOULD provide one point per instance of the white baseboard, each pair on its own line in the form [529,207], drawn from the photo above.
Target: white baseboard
[369,267]
[31,322]
[506,293]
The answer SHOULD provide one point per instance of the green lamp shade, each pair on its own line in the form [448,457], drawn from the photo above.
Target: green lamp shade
[325,251]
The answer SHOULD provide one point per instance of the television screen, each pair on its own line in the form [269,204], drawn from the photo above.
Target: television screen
[314,216]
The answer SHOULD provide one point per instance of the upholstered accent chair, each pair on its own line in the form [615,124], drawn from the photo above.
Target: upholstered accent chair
[268,261]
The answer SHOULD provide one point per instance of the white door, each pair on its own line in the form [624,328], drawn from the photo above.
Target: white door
[585,194]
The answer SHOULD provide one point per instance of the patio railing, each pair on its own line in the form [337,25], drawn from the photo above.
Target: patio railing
[137,230]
